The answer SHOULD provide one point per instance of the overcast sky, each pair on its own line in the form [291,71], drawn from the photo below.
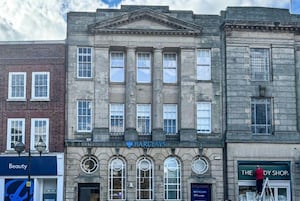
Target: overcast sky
[46,19]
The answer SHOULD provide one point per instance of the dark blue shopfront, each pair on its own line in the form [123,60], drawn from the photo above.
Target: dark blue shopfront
[15,170]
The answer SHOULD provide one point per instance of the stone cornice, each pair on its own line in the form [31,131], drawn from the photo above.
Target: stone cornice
[267,27]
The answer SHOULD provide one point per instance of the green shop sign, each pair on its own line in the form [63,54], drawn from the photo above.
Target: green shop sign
[272,170]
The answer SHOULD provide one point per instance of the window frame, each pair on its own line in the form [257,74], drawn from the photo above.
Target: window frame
[9,134]
[121,68]
[143,68]
[263,71]
[10,86]
[143,109]
[141,179]
[33,86]
[168,68]
[122,180]
[168,109]
[167,177]
[201,116]
[90,115]
[268,116]
[122,114]
[33,133]
[88,65]
[202,63]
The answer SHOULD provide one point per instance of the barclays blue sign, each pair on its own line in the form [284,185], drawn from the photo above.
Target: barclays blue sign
[146,144]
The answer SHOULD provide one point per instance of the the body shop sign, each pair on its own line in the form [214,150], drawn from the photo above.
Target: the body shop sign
[272,170]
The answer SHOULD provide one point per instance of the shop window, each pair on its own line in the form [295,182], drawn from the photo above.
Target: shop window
[88,191]
[116,180]
[172,179]
[49,190]
[144,179]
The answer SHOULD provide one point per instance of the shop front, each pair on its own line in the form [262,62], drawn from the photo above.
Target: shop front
[45,173]
[278,174]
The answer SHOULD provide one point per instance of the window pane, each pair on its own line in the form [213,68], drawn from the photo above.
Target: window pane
[170,118]
[17,85]
[172,178]
[170,68]
[261,117]
[116,118]
[144,179]
[143,118]
[117,179]
[15,132]
[84,62]
[40,85]
[204,117]
[117,67]
[84,113]
[143,67]
[39,129]
[259,62]
[204,64]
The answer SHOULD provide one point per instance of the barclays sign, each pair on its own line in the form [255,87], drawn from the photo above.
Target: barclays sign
[146,144]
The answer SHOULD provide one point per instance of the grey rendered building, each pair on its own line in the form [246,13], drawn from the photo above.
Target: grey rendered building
[144,105]
[262,100]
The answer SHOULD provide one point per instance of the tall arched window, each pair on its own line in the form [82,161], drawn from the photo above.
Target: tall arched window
[144,179]
[117,178]
[172,179]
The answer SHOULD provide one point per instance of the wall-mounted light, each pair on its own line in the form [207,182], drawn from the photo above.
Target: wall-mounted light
[173,150]
[200,149]
[262,91]
[117,150]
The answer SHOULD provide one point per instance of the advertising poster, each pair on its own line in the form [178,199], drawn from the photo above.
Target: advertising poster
[16,190]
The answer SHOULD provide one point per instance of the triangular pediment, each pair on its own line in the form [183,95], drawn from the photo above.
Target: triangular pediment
[145,21]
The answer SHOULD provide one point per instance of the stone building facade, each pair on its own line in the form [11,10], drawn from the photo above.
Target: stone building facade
[262,100]
[32,98]
[144,105]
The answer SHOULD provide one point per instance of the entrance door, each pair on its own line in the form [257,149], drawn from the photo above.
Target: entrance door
[89,192]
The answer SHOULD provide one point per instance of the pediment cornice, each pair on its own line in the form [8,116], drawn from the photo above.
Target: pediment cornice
[173,26]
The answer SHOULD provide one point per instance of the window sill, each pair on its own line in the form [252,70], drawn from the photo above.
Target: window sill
[16,99]
[39,99]
[84,79]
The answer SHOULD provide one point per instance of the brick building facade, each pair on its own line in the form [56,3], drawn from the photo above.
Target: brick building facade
[32,98]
